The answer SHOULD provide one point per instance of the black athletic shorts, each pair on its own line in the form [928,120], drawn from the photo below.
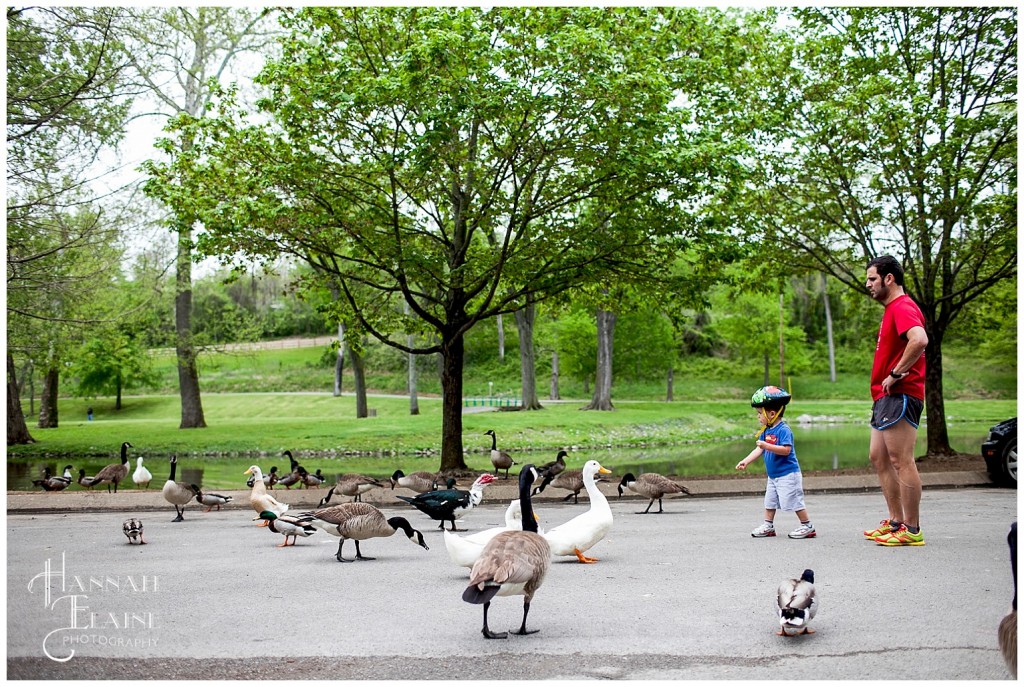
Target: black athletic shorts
[889,410]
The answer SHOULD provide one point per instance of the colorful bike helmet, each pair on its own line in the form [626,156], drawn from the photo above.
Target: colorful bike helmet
[771,397]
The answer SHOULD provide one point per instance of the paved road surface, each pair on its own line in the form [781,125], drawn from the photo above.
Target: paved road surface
[683,595]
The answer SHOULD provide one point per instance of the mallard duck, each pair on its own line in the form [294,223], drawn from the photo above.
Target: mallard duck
[84,480]
[51,482]
[288,525]
[132,529]
[443,504]
[653,486]
[551,470]
[209,499]
[142,477]
[466,550]
[350,484]
[314,480]
[177,493]
[359,521]
[512,563]
[293,477]
[586,529]
[269,479]
[798,602]
[260,500]
[420,482]
[499,459]
[1008,625]
[113,473]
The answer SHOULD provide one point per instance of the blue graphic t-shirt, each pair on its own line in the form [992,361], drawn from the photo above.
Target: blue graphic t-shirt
[775,465]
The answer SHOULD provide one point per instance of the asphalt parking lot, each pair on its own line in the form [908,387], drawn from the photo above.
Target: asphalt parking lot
[685,595]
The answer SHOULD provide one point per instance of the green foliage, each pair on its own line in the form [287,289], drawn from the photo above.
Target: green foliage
[111,362]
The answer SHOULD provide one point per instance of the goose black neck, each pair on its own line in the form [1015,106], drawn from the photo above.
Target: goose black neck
[124,452]
[400,523]
[526,479]
[494,441]
[174,467]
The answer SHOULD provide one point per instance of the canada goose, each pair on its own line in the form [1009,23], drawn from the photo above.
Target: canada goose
[443,504]
[549,471]
[209,499]
[653,486]
[499,459]
[269,479]
[465,551]
[260,500]
[52,482]
[113,473]
[351,484]
[359,521]
[1008,625]
[288,525]
[798,602]
[142,477]
[571,480]
[132,529]
[83,480]
[176,493]
[512,563]
[420,482]
[573,538]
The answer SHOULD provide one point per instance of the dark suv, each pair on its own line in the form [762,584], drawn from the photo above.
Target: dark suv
[1000,451]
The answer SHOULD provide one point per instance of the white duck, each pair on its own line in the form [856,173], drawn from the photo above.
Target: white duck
[586,529]
[466,550]
[142,477]
[260,500]
[798,602]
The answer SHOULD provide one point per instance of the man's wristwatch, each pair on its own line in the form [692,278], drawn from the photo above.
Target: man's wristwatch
[896,375]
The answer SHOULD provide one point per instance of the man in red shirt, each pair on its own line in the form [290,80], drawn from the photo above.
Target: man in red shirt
[897,389]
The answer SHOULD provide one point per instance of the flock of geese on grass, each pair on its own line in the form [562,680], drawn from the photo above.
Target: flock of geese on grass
[504,561]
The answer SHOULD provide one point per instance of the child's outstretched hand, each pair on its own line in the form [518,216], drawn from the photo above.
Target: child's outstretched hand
[742,465]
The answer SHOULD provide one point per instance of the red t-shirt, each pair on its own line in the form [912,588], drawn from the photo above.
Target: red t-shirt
[900,316]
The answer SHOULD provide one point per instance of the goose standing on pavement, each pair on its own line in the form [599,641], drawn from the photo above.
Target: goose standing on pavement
[651,485]
[360,521]
[798,602]
[549,471]
[499,459]
[350,484]
[142,477]
[512,563]
[573,538]
[260,500]
[177,493]
[571,480]
[113,473]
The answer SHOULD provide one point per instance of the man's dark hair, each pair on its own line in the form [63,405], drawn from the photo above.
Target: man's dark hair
[886,264]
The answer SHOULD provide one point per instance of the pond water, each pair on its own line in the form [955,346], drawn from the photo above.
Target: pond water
[819,447]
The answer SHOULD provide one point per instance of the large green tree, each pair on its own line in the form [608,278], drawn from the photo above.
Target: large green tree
[901,139]
[405,139]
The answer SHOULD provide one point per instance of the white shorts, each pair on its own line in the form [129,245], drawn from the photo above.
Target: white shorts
[785,493]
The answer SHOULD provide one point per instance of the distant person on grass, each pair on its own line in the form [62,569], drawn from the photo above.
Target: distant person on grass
[897,389]
[785,489]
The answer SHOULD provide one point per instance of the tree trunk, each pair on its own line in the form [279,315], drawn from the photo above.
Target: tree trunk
[602,399]
[934,403]
[188,375]
[117,401]
[339,361]
[359,380]
[828,330]
[48,399]
[414,402]
[17,430]
[554,376]
[527,360]
[671,382]
[27,379]
[501,339]
[452,357]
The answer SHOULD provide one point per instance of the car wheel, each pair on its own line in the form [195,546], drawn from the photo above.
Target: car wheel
[1009,463]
